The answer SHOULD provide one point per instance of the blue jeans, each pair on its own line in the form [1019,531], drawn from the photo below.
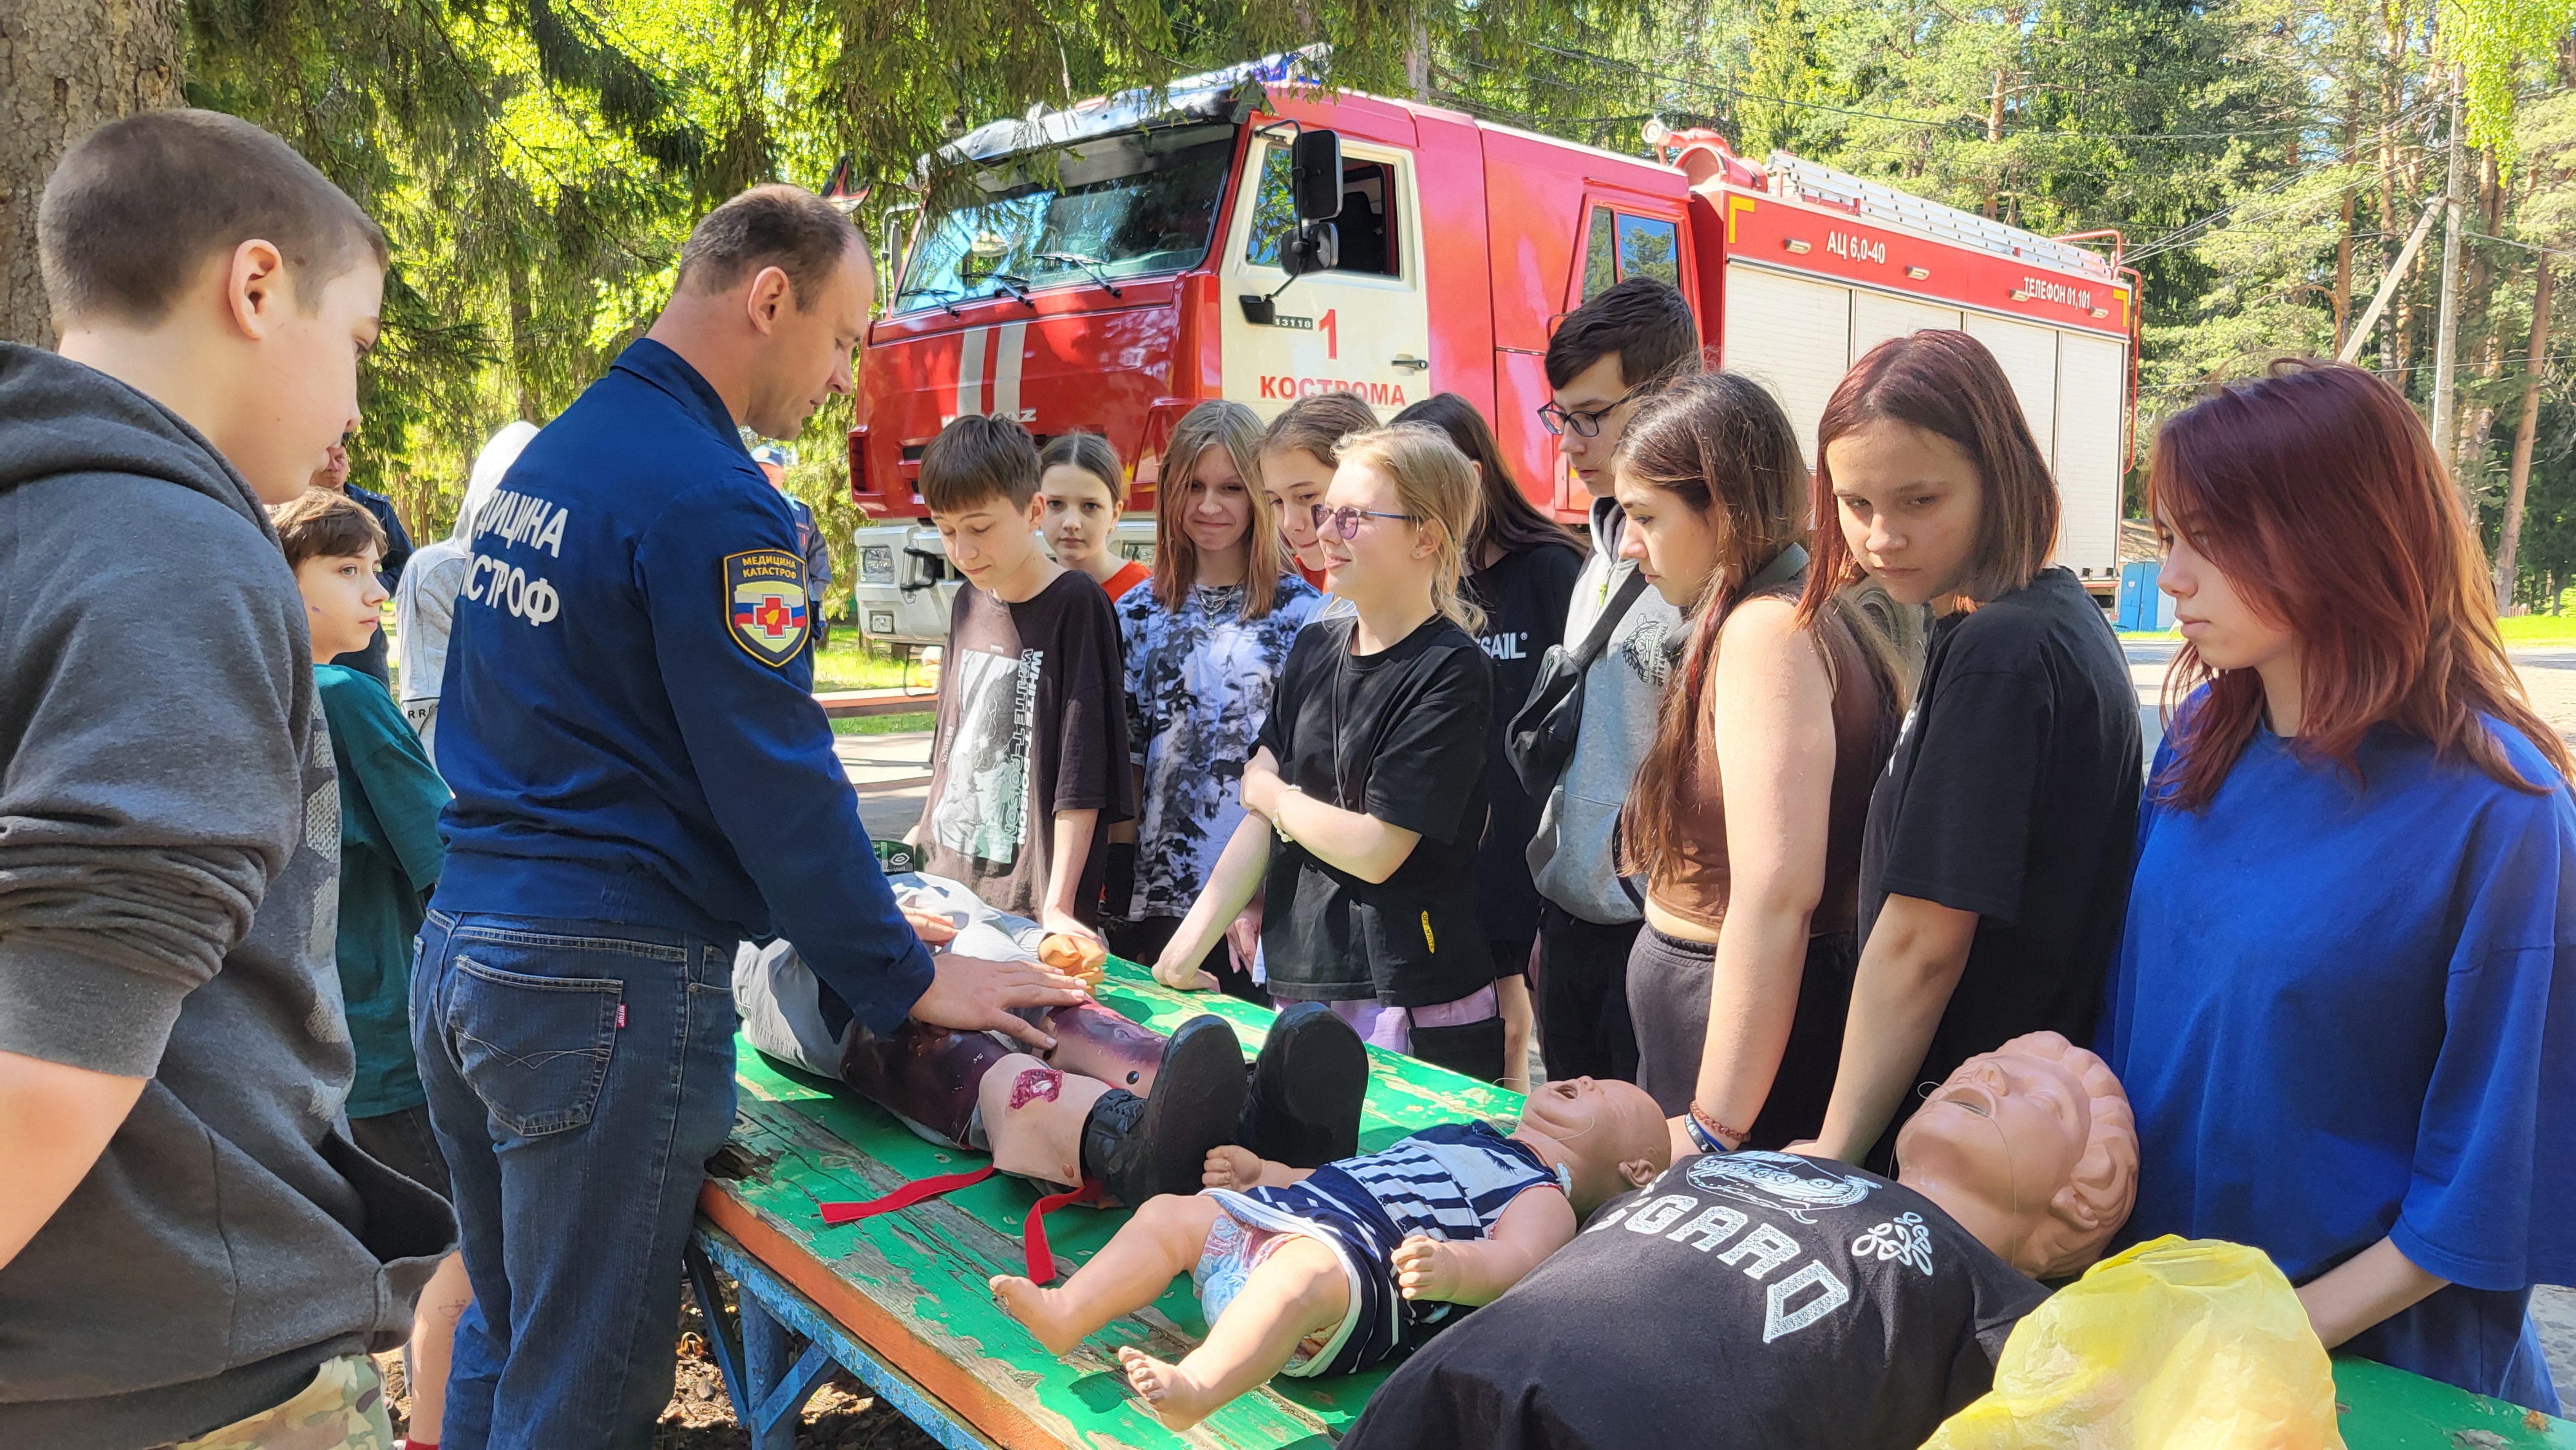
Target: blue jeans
[579,1075]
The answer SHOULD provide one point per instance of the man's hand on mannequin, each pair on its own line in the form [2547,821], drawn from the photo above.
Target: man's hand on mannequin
[970,995]
[54,1122]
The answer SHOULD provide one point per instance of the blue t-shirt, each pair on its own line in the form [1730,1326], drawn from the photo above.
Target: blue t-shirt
[628,718]
[2346,1011]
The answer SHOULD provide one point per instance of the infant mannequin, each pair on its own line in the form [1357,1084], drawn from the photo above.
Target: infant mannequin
[1330,1270]
[1782,1301]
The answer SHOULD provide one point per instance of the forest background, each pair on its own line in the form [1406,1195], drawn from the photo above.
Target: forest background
[536,163]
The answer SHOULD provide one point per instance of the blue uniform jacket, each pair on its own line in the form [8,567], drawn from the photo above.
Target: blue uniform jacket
[627,717]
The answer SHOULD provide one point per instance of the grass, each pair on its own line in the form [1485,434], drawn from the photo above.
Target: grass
[2535,629]
[885,724]
[848,664]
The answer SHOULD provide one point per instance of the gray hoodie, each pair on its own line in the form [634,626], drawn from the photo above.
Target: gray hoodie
[1574,858]
[169,855]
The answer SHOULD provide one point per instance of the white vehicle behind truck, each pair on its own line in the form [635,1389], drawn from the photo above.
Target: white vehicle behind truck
[904,586]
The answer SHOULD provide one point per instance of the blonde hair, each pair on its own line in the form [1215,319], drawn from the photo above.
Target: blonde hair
[1437,487]
[1236,429]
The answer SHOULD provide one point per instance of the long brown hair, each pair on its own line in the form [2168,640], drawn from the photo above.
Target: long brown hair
[1945,383]
[2315,489]
[1505,517]
[1235,428]
[1721,446]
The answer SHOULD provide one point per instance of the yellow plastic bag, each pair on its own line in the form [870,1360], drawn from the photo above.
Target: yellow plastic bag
[2179,1344]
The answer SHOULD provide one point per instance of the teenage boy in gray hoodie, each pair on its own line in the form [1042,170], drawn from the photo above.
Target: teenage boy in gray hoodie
[189,1245]
[1605,358]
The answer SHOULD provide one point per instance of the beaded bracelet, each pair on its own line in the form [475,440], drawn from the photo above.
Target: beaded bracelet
[1708,1132]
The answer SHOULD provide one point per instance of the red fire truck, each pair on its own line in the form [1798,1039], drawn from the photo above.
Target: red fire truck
[1115,263]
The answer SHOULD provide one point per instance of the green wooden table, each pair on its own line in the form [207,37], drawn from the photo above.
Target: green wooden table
[900,1299]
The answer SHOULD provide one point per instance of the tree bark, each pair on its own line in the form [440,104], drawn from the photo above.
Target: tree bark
[65,67]
[2509,537]
[2343,252]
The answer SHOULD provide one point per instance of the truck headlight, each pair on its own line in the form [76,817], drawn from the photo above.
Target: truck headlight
[876,564]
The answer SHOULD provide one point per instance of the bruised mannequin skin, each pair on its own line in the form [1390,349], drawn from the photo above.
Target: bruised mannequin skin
[2032,1149]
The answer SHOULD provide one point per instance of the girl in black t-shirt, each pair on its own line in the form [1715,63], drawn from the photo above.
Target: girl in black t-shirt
[1521,567]
[1366,794]
[1994,868]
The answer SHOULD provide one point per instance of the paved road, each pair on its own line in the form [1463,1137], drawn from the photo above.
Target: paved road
[892,773]
[2548,676]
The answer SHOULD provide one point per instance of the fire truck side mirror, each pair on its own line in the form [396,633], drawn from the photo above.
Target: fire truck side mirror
[1317,247]
[1315,176]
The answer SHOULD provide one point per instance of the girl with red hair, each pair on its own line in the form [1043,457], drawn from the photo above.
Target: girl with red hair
[2343,1008]
[1994,867]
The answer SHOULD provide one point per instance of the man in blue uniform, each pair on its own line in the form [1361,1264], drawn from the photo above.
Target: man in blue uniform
[642,778]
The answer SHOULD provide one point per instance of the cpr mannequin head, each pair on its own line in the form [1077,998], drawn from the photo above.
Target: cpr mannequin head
[1610,1133]
[2032,1149]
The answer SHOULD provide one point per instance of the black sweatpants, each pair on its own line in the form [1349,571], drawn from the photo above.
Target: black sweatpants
[1582,996]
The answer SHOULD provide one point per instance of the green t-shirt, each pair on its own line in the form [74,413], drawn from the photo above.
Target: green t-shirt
[390,856]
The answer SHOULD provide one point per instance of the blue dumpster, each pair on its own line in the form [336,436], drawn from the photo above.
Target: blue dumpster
[2143,607]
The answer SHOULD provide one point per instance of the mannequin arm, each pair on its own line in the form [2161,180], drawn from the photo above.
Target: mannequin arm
[1537,1224]
[2363,1290]
[1230,886]
[1908,968]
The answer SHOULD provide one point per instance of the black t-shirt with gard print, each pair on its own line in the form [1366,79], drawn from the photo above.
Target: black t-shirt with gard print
[1748,1299]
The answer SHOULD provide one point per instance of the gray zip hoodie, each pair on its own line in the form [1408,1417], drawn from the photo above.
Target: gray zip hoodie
[169,860]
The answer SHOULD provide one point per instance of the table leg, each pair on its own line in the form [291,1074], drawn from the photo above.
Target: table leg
[765,1375]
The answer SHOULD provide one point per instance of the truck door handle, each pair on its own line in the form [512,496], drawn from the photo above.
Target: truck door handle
[1407,360]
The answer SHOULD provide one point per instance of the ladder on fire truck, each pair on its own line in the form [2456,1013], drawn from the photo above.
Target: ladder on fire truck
[1796,176]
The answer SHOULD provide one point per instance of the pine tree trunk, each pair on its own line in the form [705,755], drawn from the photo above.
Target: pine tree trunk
[66,66]
[2509,537]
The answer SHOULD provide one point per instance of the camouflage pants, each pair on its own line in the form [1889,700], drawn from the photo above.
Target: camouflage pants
[343,1409]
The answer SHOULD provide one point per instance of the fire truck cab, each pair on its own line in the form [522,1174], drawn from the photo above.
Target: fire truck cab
[1118,262]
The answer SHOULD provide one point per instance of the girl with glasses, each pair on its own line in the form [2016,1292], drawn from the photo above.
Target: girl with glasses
[1521,567]
[1366,790]
[1204,646]
[2344,1006]
[1745,816]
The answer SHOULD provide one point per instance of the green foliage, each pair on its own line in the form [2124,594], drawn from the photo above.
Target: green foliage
[537,162]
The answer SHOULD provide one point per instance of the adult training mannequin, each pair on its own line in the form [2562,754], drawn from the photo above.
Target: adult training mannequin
[1088,1110]
[1781,1301]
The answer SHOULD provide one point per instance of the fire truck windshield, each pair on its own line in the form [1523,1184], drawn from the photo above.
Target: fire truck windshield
[1092,210]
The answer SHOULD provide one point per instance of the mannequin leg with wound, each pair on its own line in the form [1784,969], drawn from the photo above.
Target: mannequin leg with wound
[1037,1119]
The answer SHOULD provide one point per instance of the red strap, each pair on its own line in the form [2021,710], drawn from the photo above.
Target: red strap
[904,1197]
[1033,1238]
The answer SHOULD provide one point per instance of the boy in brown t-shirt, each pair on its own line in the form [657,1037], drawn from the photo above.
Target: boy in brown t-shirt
[1030,762]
